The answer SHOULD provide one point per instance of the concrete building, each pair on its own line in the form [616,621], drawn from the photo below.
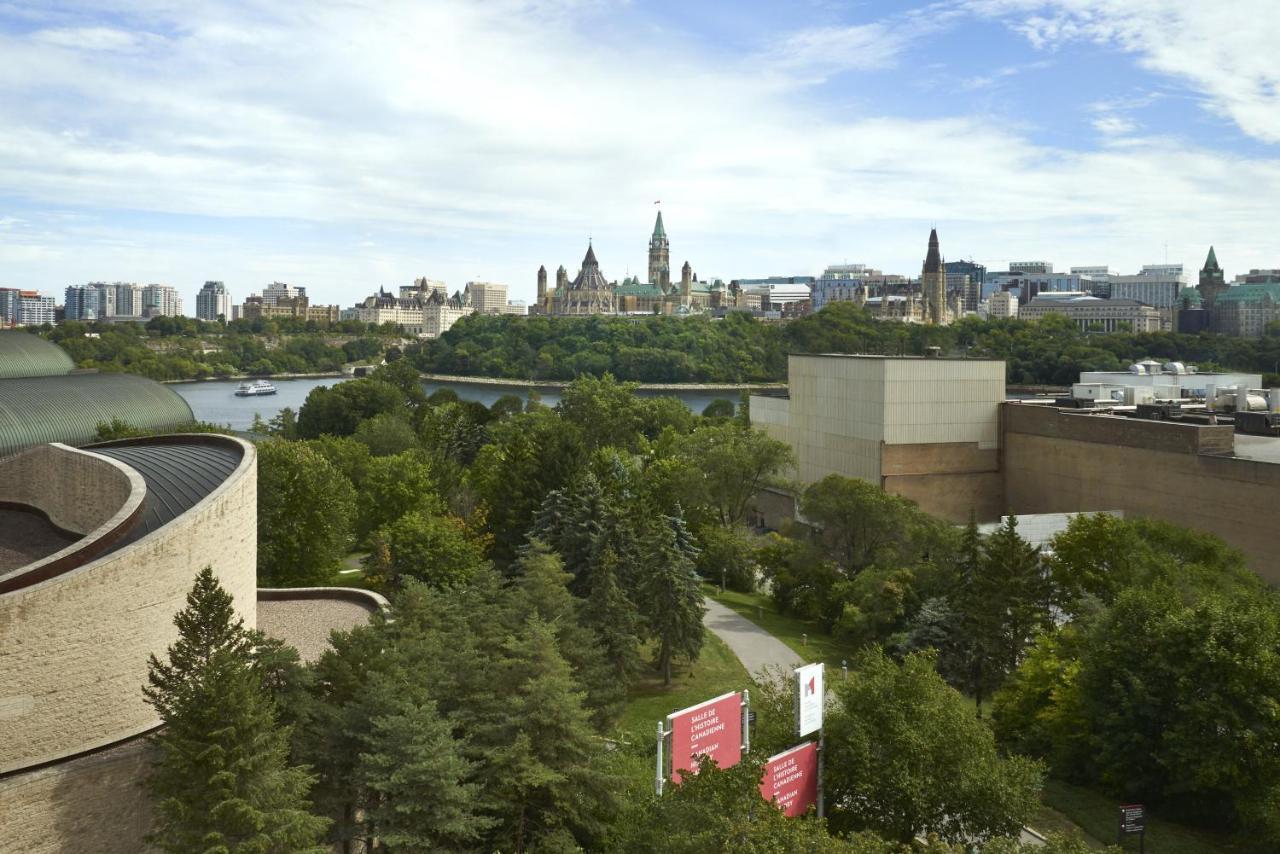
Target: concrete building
[487,297]
[277,291]
[25,308]
[1092,314]
[1158,285]
[161,301]
[940,432]
[1002,304]
[852,283]
[1031,268]
[926,429]
[213,302]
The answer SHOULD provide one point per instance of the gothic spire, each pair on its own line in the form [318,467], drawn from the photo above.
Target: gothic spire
[590,259]
[658,230]
[933,260]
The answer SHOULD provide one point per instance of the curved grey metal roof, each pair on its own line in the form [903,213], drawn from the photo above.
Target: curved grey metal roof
[25,355]
[179,474]
[68,409]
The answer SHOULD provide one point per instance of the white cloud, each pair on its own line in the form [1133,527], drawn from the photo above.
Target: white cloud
[1227,51]
[465,140]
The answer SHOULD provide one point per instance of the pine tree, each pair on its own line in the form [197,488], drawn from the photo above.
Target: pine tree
[221,780]
[671,593]
[540,756]
[614,617]
[1011,567]
[542,590]
[413,771]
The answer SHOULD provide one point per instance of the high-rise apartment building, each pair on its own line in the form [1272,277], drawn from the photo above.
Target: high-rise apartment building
[161,301]
[25,308]
[82,302]
[213,302]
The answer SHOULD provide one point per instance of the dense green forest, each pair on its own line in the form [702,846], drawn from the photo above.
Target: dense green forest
[542,563]
[739,348]
[180,348]
[733,349]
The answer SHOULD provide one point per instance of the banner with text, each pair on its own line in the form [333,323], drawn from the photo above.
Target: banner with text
[810,699]
[713,729]
[791,779]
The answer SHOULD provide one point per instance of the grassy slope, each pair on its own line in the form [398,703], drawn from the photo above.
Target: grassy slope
[1097,816]
[759,609]
[717,671]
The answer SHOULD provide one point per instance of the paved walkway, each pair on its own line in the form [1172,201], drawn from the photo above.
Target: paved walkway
[754,647]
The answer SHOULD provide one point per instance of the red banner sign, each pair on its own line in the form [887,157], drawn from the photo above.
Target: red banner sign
[791,779]
[713,729]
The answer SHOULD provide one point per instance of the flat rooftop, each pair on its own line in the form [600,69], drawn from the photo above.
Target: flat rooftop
[1262,449]
[882,358]
[26,537]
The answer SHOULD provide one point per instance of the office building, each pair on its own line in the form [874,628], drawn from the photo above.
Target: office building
[487,297]
[1093,314]
[1002,305]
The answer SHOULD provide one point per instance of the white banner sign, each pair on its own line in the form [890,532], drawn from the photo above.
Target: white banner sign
[809,699]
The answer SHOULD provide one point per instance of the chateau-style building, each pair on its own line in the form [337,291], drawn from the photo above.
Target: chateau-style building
[591,293]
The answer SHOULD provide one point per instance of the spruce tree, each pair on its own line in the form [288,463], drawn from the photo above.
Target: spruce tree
[221,780]
[671,594]
[614,617]
[413,771]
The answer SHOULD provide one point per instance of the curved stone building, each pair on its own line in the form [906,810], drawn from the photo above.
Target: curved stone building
[98,549]
[41,400]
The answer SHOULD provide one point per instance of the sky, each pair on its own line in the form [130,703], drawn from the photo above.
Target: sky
[347,146]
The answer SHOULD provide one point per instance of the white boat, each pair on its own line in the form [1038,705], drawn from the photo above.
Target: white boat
[255,388]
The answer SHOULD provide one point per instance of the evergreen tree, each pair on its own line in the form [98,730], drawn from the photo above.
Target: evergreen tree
[542,591]
[977,620]
[221,780]
[671,593]
[1018,588]
[614,618]
[414,774]
[540,758]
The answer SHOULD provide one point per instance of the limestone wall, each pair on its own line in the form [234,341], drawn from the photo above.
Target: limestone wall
[92,804]
[74,648]
[77,490]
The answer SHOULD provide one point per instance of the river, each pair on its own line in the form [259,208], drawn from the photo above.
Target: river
[216,402]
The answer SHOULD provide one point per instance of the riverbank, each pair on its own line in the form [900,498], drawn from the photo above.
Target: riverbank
[326,375]
[559,385]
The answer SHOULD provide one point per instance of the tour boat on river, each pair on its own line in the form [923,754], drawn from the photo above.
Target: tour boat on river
[255,388]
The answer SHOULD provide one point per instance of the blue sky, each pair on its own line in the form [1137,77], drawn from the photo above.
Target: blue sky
[353,145]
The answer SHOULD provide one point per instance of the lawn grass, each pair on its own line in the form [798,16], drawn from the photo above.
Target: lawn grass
[717,671]
[1097,816]
[805,637]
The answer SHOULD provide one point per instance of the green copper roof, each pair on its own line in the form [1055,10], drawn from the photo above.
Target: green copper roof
[38,410]
[1211,263]
[25,355]
[1255,292]
[638,290]
[1192,294]
[658,230]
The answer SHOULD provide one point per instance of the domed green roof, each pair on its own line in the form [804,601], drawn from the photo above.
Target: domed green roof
[25,355]
[1190,293]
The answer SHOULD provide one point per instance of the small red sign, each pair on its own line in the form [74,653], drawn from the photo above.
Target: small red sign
[713,729]
[790,779]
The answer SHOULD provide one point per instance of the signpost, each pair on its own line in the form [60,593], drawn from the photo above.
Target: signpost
[717,729]
[809,698]
[1133,819]
[791,779]
[811,705]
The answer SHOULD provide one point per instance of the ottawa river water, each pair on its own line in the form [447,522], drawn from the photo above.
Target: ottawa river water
[216,402]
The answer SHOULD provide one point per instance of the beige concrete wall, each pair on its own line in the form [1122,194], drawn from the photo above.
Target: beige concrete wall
[77,490]
[89,805]
[1058,462]
[74,648]
[929,401]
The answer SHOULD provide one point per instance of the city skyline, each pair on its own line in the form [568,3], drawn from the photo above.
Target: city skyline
[350,148]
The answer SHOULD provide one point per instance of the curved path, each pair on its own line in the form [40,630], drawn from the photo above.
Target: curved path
[754,647]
